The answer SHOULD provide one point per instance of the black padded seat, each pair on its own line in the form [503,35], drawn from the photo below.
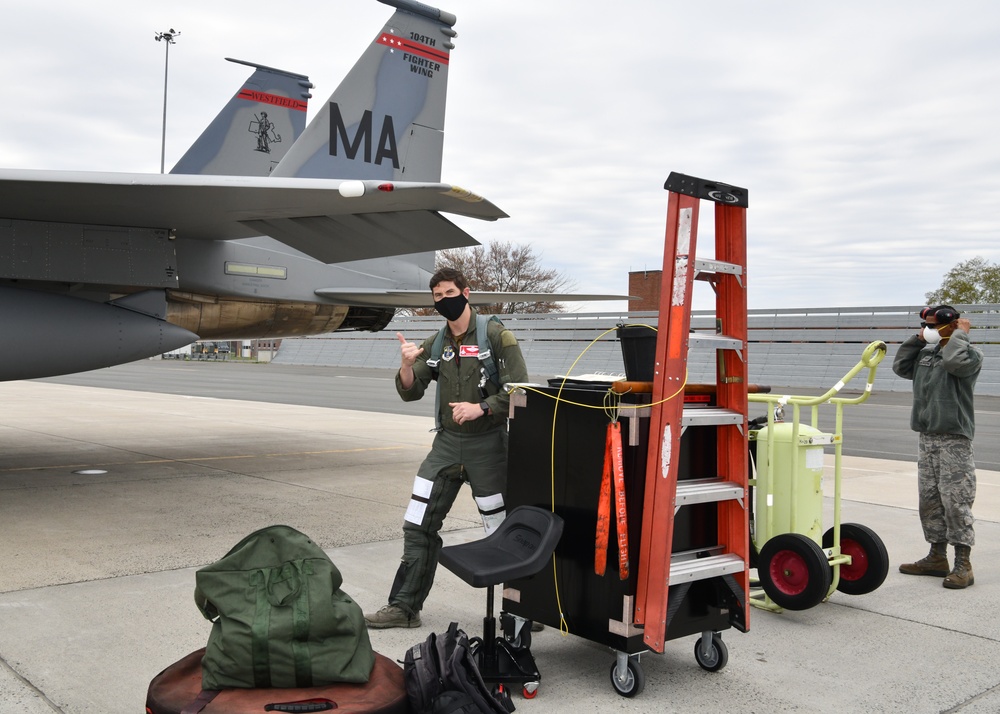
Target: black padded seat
[519,547]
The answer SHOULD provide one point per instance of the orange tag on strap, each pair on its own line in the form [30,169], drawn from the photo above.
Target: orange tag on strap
[613,468]
[620,504]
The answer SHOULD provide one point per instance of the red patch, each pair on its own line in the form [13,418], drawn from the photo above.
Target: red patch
[468,351]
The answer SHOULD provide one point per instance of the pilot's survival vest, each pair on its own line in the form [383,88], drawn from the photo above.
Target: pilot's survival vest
[487,362]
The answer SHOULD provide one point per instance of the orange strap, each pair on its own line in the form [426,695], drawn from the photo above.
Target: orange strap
[612,462]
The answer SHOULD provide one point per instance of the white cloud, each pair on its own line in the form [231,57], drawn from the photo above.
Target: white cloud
[863,132]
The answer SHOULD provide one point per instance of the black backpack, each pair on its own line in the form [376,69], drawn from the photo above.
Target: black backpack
[441,675]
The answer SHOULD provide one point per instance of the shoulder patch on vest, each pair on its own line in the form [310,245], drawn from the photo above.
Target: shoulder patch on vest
[507,338]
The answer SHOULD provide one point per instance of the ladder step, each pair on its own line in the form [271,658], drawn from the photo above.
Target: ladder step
[690,569]
[716,266]
[718,342]
[710,416]
[707,490]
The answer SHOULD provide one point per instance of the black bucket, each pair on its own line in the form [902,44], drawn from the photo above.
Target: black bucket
[638,351]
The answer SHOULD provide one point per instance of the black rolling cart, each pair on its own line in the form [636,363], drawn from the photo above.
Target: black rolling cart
[569,593]
[684,455]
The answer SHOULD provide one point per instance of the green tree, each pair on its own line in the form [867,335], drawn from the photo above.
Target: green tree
[503,266]
[975,281]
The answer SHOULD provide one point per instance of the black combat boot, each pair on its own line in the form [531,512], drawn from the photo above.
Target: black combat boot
[961,576]
[934,563]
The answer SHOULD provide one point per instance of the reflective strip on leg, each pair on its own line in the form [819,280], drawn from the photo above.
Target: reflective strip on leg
[418,501]
[492,511]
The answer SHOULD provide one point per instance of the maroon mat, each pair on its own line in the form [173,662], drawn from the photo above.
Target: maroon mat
[177,689]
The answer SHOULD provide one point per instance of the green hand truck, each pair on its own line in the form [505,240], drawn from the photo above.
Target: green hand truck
[798,564]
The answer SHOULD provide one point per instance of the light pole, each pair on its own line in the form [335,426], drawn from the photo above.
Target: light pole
[168,38]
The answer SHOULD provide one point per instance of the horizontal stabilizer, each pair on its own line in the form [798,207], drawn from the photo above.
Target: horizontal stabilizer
[339,239]
[375,297]
[329,219]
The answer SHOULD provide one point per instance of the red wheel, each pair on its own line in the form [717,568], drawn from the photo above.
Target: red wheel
[793,571]
[530,690]
[869,558]
[502,695]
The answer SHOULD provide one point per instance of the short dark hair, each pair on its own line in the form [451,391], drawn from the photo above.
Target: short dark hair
[449,275]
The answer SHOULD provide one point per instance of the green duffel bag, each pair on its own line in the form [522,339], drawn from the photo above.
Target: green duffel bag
[279,616]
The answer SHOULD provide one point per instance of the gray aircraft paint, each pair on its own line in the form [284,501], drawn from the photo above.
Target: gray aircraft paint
[407,64]
[400,82]
[236,143]
[69,278]
[100,269]
[48,334]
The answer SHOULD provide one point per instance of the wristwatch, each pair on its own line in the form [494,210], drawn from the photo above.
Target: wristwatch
[485,407]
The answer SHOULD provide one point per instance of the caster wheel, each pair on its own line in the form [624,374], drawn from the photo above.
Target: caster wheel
[530,690]
[523,639]
[502,695]
[633,681]
[716,657]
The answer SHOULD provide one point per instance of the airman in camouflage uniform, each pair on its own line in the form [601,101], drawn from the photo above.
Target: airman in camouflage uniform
[943,366]
[470,444]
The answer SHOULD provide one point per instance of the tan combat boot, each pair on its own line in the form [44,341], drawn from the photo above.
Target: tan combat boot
[392,616]
[961,576]
[934,563]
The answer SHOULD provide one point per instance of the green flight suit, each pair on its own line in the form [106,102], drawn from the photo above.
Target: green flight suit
[474,452]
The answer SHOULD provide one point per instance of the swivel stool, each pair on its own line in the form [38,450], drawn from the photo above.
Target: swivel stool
[520,547]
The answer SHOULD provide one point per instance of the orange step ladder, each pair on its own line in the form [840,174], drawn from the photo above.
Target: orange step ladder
[664,576]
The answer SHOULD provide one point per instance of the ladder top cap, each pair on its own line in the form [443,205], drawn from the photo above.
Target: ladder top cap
[710,190]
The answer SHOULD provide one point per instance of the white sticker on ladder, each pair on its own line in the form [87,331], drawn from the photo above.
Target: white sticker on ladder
[684,231]
[665,448]
[679,293]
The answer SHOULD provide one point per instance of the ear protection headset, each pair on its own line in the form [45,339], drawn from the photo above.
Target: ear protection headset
[943,314]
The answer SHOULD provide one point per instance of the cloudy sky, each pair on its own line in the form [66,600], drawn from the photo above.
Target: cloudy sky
[864,132]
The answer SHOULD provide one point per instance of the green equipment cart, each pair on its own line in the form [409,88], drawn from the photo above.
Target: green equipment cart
[799,564]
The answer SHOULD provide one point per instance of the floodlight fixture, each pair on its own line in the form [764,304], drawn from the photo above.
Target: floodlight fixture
[168,39]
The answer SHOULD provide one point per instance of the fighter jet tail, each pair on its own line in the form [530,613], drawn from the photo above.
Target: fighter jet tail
[386,119]
[255,129]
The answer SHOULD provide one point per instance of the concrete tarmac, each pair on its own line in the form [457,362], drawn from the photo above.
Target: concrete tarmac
[98,569]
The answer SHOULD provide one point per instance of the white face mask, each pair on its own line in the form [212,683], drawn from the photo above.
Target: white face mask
[931,336]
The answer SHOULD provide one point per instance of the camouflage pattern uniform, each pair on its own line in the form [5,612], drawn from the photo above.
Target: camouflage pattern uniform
[946,478]
[474,452]
[944,377]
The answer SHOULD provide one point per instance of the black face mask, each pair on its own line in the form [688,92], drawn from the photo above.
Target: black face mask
[451,308]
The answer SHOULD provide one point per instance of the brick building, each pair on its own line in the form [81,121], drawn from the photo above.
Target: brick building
[644,284]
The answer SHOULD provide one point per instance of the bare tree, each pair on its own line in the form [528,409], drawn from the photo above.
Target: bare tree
[502,266]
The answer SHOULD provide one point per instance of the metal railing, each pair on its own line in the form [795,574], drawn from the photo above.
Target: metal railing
[791,347]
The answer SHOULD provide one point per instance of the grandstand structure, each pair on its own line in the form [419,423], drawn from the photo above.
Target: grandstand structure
[805,348]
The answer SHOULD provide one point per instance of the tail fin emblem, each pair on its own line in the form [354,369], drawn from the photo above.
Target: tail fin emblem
[264,130]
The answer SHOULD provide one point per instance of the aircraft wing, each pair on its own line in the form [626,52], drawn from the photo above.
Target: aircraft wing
[375,297]
[331,220]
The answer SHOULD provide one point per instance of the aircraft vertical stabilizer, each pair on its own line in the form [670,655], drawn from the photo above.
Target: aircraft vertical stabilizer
[255,130]
[386,119]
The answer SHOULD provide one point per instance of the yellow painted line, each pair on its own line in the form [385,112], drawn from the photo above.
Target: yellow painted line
[195,459]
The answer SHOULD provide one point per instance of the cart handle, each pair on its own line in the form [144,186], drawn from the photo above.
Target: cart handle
[873,354]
